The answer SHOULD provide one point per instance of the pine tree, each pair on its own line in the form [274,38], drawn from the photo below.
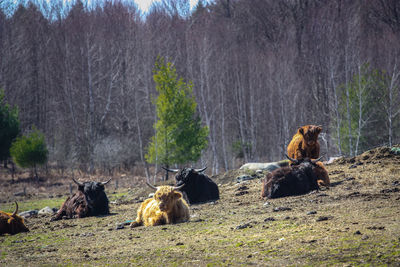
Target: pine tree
[9,128]
[179,137]
[30,151]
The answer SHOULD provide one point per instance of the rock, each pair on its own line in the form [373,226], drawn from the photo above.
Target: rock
[179,244]
[243,187]
[28,214]
[119,226]
[242,183]
[281,209]
[323,218]
[311,212]
[266,204]
[46,211]
[364,237]
[241,193]
[390,190]
[242,226]
[357,232]
[269,219]
[243,178]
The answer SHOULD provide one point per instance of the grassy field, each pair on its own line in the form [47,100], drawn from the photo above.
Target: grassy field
[356,222]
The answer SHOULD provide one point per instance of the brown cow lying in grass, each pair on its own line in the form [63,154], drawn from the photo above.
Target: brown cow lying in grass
[304,143]
[291,180]
[166,207]
[11,223]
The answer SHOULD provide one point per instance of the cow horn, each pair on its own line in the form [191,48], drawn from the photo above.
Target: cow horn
[151,186]
[294,160]
[316,160]
[170,170]
[200,170]
[16,209]
[78,183]
[104,183]
[179,187]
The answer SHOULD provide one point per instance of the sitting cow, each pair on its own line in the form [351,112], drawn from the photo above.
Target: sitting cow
[291,180]
[304,143]
[165,207]
[90,200]
[198,187]
[11,223]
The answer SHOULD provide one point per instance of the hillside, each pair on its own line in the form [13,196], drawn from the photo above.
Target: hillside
[354,222]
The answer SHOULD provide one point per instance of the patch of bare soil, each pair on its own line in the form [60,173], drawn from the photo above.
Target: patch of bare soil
[356,221]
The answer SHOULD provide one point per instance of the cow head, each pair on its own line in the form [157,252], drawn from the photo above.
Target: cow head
[93,191]
[305,161]
[185,175]
[16,223]
[310,133]
[166,196]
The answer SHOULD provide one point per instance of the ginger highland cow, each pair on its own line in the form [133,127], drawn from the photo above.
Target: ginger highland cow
[305,144]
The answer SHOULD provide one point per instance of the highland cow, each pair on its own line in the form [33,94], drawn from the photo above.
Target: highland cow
[304,143]
[165,207]
[198,187]
[291,180]
[90,200]
[11,223]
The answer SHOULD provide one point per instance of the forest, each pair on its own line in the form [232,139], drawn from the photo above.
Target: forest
[83,75]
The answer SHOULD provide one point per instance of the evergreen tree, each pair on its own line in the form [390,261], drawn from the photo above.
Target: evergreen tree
[30,151]
[179,137]
[9,128]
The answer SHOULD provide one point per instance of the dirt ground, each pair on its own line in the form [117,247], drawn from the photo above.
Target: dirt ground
[354,222]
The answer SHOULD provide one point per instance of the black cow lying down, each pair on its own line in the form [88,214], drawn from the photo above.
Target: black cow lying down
[199,188]
[291,180]
[90,200]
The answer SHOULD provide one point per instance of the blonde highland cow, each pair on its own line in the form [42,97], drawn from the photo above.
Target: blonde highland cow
[166,207]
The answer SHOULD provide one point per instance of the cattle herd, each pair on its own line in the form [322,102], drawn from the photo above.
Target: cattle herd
[170,204]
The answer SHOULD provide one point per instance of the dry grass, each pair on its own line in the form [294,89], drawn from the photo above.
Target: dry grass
[357,222]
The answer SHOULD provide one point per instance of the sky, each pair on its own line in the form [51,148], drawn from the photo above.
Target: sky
[144,5]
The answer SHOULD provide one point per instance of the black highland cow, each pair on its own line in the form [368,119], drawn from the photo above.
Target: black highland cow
[199,188]
[90,200]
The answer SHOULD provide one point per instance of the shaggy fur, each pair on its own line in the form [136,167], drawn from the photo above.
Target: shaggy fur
[199,188]
[11,223]
[90,200]
[166,207]
[304,143]
[290,181]
[322,174]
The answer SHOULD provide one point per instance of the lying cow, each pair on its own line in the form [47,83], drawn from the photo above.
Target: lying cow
[11,223]
[304,143]
[319,171]
[198,187]
[291,180]
[165,207]
[90,200]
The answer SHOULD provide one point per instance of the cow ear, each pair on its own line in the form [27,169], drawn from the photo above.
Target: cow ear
[301,130]
[177,195]
[318,129]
